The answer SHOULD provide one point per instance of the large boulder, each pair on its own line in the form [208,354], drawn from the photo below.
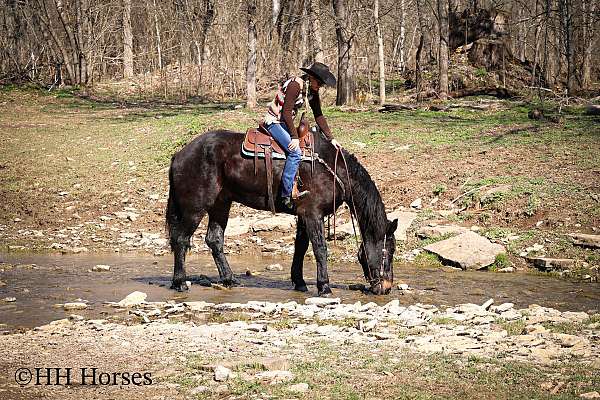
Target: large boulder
[467,251]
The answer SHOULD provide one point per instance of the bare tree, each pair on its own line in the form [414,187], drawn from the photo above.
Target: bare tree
[380,57]
[345,81]
[314,17]
[251,63]
[127,41]
[442,8]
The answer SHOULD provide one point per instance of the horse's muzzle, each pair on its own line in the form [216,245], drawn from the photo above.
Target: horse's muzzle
[383,287]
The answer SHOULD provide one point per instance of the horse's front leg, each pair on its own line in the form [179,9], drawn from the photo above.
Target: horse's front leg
[314,229]
[300,247]
[215,237]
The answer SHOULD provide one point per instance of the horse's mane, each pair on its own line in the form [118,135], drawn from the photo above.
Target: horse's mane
[367,199]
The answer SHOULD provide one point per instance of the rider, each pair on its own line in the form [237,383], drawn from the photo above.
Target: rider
[279,120]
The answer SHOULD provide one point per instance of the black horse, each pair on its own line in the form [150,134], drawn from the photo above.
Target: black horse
[210,173]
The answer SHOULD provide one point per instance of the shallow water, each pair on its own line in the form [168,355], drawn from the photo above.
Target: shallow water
[39,282]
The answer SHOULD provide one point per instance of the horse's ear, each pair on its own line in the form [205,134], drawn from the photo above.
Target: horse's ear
[392,226]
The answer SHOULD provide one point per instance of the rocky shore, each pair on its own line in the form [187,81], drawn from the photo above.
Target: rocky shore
[260,349]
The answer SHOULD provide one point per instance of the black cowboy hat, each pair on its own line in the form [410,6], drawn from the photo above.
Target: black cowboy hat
[322,73]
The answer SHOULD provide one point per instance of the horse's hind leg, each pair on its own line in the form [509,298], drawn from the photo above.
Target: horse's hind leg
[217,222]
[181,233]
[300,247]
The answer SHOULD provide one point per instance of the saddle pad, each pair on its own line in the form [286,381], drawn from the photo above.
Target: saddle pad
[279,156]
[255,142]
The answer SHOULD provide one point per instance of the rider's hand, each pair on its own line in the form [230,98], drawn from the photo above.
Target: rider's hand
[294,145]
[336,144]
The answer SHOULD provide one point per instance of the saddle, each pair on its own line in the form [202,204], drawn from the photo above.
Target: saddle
[258,143]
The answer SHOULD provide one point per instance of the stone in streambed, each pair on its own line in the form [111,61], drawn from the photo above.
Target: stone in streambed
[467,251]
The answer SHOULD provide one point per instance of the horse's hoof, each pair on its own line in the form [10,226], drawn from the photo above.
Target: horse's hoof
[301,288]
[230,282]
[179,286]
[325,291]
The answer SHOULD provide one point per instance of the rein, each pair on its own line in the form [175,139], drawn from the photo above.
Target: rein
[353,211]
[373,281]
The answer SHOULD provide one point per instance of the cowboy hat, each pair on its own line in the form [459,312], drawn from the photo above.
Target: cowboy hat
[322,73]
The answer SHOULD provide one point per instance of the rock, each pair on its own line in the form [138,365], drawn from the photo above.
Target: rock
[271,248]
[487,304]
[222,373]
[322,301]
[417,204]
[199,390]
[133,299]
[75,306]
[198,305]
[257,327]
[2,284]
[403,286]
[367,326]
[467,250]
[405,220]
[101,268]
[275,377]
[581,239]
[436,231]
[274,267]
[299,388]
[504,307]
[566,340]
[551,264]
[278,222]
[75,317]
[218,286]
[507,269]
[237,226]
[10,299]
[357,286]
[590,395]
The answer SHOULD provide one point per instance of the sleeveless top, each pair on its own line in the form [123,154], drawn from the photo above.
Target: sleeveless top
[273,115]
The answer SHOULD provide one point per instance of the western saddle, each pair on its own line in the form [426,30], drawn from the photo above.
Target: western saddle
[258,143]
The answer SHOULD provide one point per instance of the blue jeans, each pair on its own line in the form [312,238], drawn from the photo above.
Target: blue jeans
[282,135]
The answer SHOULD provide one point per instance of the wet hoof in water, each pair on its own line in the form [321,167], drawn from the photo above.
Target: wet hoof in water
[301,288]
[230,282]
[325,291]
[179,286]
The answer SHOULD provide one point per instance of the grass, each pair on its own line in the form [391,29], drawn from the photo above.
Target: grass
[513,328]
[427,260]
[547,166]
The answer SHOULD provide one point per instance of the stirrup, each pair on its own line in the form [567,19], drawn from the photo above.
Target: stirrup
[298,195]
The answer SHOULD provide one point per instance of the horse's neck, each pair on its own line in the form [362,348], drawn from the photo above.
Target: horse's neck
[365,212]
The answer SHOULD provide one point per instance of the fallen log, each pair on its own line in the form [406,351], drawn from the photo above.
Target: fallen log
[500,93]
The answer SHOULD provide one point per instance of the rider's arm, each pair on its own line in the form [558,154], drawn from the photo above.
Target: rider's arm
[292,92]
[315,104]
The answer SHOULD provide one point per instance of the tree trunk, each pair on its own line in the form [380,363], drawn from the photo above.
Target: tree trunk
[303,47]
[345,82]
[402,63]
[157,30]
[127,41]
[315,28]
[418,56]
[251,62]
[207,20]
[565,8]
[275,12]
[589,10]
[381,59]
[442,6]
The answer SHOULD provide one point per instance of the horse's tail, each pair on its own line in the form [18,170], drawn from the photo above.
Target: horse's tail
[173,212]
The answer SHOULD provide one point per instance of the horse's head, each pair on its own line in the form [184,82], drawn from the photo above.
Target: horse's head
[376,257]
